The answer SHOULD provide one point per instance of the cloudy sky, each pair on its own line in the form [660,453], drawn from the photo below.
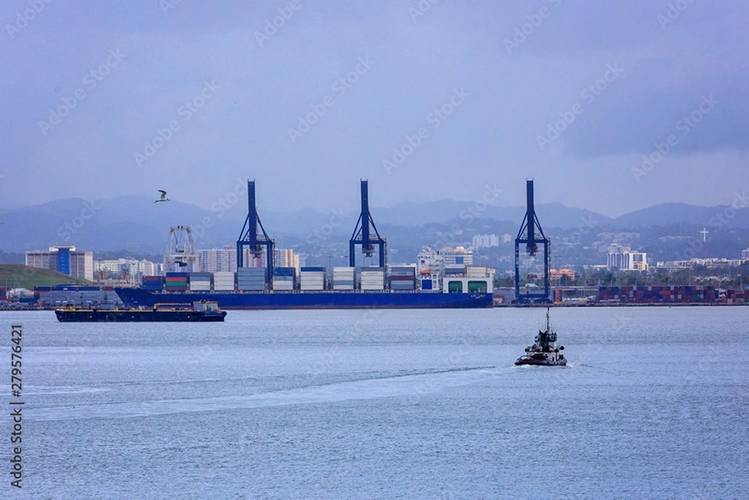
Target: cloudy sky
[610,106]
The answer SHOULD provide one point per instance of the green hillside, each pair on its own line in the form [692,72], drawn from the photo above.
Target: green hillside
[20,276]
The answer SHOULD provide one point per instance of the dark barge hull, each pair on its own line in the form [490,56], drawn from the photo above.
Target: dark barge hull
[122,316]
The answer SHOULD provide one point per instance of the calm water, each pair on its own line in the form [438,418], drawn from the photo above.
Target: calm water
[387,404]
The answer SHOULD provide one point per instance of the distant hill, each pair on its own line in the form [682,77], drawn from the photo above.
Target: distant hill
[681,213]
[136,226]
[551,214]
[20,276]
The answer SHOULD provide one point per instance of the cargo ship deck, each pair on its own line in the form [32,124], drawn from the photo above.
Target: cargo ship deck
[135,297]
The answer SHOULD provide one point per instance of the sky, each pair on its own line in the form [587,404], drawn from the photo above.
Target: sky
[610,106]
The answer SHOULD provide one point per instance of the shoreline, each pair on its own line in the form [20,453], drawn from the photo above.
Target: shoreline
[495,306]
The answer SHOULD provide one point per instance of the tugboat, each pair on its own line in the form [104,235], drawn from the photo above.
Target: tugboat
[544,351]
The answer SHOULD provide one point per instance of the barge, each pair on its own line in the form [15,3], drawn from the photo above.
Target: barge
[198,311]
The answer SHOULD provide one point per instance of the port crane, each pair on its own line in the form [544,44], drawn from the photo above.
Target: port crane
[527,235]
[254,239]
[365,232]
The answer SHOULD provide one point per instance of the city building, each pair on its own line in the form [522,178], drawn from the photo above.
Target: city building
[709,262]
[126,268]
[745,254]
[65,259]
[621,258]
[563,276]
[485,241]
[216,260]
[286,257]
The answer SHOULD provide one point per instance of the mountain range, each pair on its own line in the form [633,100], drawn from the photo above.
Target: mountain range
[138,226]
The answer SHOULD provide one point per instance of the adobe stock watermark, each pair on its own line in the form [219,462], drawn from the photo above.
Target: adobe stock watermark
[25,17]
[169,5]
[673,12]
[90,81]
[475,211]
[555,129]
[219,208]
[412,142]
[681,130]
[420,8]
[72,226]
[274,24]
[532,22]
[185,112]
[339,88]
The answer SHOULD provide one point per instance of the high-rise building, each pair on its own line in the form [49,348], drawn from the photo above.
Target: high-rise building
[286,257]
[127,267]
[216,260]
[621,258]
[63,259]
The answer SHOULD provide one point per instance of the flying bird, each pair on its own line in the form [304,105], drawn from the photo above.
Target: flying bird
[163,196]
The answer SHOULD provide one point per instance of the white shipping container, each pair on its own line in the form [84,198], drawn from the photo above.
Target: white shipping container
[283,285]
[200,286]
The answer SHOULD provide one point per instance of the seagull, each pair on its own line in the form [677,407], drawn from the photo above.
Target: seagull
[163,196]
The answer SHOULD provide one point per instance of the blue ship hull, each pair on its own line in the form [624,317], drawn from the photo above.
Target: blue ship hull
[134,297]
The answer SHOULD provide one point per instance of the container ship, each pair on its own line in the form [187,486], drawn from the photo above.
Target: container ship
[350,288]
[261,284]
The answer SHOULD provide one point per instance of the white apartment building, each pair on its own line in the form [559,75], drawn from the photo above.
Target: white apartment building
[216,260]
[63,259]
[621,258]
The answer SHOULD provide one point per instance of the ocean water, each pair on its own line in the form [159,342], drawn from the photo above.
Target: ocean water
[386,404]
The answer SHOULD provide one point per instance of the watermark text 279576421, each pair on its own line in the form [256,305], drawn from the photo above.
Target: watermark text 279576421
[16,406]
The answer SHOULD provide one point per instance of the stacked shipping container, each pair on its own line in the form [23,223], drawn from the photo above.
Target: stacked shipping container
[200,282]
[668,294]
[251,279]
[371,278]
[312,278]
[177,282]
[223,281]
[402,278]
[343,278]
[284,278]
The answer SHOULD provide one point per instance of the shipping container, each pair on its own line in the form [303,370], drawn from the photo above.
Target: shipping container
[284,271]
[223,281]
[283,285]
[312,279]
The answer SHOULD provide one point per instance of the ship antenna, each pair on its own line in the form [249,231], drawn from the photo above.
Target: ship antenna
[547,318]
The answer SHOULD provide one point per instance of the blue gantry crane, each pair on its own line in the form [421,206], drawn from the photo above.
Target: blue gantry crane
[250,237]
[365,233]
[528,236]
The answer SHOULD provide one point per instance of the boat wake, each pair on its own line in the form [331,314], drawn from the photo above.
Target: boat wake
[411,384]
